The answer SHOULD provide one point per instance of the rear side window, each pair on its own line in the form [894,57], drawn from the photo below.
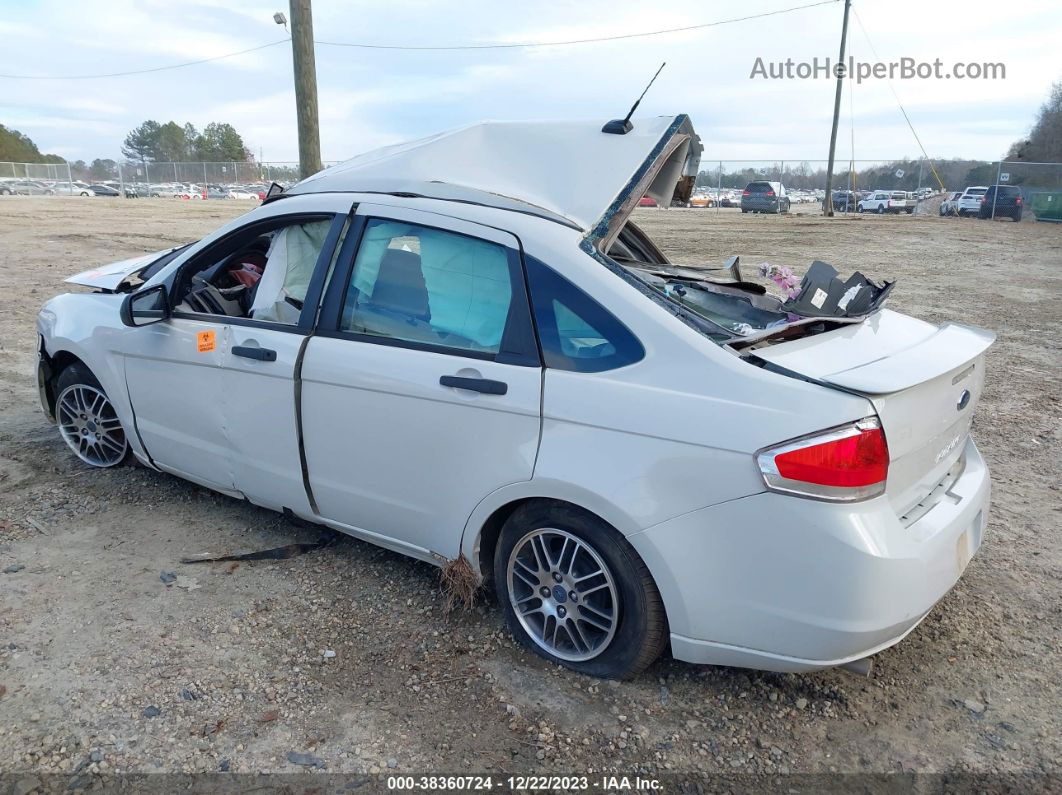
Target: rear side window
[576,332]
[759,187]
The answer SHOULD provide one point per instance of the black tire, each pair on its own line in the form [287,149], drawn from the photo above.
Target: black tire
[881,209]
[76,374]
[641,632]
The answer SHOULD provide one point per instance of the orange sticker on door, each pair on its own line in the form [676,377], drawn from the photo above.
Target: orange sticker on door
[205,341]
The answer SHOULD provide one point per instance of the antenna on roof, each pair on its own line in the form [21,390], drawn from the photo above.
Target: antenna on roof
[624,126]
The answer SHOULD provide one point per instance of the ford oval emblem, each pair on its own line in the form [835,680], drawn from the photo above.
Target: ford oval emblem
[964,400]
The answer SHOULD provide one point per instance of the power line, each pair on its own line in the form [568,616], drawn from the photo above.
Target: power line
[441,47]
[146,71]
[568,42]
[903,110]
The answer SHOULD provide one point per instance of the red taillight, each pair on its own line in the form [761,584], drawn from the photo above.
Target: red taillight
[847,463]
[770,193]
[984,200]
[1018,202]
[746,193]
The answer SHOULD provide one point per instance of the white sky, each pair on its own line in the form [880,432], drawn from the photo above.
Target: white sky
[369,97]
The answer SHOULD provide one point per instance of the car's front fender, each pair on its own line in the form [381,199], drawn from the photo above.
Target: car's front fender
[87,326]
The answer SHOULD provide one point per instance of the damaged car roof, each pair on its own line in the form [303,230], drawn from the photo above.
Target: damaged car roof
[569,169]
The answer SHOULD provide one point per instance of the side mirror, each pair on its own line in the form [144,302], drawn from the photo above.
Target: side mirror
[145,307]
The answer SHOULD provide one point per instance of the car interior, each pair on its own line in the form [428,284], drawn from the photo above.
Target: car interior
[261,275]
[229,286]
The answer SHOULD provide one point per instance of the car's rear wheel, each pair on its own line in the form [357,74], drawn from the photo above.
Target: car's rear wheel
[87,420]
[575,592]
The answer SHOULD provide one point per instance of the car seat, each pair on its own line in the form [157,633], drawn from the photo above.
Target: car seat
[400,286]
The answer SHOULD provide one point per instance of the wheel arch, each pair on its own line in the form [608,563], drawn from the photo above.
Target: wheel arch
[52,365]
[484,525]
[58,351]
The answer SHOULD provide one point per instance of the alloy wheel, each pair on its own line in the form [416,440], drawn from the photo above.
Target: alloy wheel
[563,593]
[90,426]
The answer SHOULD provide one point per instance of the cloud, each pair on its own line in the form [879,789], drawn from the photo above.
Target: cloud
[371,97]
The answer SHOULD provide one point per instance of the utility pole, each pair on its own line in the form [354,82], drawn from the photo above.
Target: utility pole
[827,205]
[305,87]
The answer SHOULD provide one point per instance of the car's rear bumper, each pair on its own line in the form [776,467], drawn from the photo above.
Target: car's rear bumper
[782,583]
[1001,210]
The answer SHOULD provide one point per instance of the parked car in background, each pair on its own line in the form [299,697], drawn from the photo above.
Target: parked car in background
[216,192]
[950,204]
[1001,201]
[884,201]
[484,363]
[647,201]
[702,200]
[72,189]
[844,201]
[104,190]
[30,187]
[970,201]
[764,197]
[7,186]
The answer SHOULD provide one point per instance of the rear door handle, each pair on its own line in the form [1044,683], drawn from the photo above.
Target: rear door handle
[484,385]
[254,352]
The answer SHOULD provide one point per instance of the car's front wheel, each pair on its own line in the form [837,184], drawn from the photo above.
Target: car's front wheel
[575,591]
[87,420]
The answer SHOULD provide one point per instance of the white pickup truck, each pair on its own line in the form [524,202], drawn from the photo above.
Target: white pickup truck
[884,201]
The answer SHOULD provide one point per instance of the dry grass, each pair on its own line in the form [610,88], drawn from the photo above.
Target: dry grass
[459,583]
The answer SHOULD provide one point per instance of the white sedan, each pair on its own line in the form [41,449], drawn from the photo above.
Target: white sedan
[461,348]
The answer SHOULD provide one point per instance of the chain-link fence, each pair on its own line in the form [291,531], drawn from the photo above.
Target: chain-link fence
[721,183]
[1021,190]
[915,185]
[211,180]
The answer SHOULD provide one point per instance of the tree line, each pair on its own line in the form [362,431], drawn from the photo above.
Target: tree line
[176,143]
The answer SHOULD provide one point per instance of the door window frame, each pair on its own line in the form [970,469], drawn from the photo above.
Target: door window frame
[519,342]
[314,291]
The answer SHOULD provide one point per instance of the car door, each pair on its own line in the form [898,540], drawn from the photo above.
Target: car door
[173,374]
[259,367]
[213,394]
[421,388]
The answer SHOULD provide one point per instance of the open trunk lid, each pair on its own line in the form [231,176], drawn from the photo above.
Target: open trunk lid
[571,169]
[923,380]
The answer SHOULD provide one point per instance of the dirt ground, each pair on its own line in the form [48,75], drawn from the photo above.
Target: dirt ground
[105,668]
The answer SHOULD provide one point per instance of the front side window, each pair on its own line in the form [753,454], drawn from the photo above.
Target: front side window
[429,286]
[262,273]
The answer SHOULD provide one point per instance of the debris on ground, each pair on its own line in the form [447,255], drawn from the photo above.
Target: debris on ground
[305,760]
[276,553]
[459,584]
